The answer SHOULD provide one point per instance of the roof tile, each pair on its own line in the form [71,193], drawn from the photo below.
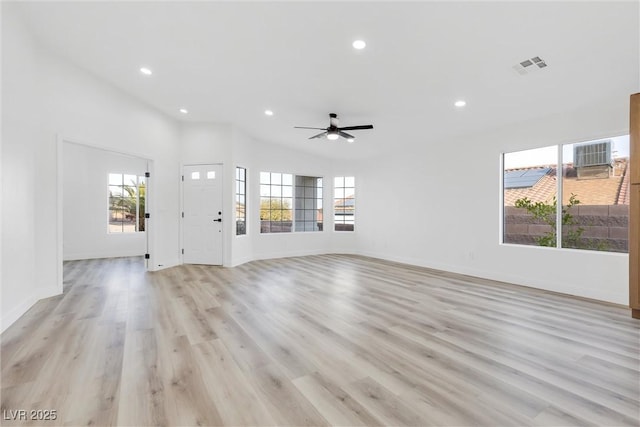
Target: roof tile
[602,191]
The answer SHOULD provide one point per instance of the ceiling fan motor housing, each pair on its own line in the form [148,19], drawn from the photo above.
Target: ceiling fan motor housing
[333,120]
[333,132]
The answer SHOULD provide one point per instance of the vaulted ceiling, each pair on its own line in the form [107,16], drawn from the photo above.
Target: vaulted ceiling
[226,62]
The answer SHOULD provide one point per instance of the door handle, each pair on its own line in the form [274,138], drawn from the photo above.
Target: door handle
[217,220]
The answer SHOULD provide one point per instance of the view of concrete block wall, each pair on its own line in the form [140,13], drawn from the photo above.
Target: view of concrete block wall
[282,226]
[267,226]
[605,226]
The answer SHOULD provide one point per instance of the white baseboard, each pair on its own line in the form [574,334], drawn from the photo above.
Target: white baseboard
[547,285]
[15,313]
[289,254]
[162,265]
[97,255]
[18,311]
[239,261]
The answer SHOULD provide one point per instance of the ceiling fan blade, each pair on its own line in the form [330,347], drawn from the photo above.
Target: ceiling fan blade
[356,127]
[346,135]
[320,135]
[304,127]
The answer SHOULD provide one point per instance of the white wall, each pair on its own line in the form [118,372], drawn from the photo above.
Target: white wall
[19,135]
[85,203]
[1,190]
[449,202]
[260,156]
[44,100]
[447,199]
[223,143]
[242,246]
[87,110]
[210,143]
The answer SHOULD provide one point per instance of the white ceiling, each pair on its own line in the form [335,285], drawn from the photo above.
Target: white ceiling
[226,62]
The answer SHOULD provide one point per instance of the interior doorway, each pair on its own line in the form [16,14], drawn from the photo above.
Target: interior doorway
[104,203]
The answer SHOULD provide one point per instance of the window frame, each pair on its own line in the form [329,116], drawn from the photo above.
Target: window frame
[306,198]
[243,193]
[560,178]
[334,199]
[292,198]
[270,197]
[141,181]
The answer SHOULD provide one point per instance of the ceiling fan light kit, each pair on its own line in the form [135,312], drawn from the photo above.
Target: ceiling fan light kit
[333,132]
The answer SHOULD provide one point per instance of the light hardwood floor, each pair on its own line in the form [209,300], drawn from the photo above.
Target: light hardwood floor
[317,340]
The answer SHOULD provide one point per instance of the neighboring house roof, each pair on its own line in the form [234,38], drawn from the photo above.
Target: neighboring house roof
[541,191]
[347,202]
[538,184]
[623,195]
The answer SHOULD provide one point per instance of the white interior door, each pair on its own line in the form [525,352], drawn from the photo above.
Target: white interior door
[202,223]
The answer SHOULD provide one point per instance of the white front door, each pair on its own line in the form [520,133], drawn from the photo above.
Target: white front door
[202,223]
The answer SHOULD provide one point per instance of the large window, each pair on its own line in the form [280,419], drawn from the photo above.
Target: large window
[126,203]
[593,188]
[276,202]
[308,203]
[290,203]
[344,203]
[241,201]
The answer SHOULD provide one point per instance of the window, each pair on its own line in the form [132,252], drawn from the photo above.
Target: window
[241,201]
[595,195]
[594,188]
[276,202]
[344,203]
[126,203]
[530,177]
[308,203]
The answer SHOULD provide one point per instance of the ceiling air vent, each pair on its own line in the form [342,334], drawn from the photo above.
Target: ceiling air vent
[529,65]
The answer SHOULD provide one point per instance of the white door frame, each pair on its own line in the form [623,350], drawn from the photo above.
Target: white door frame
[224,232]
[149,202]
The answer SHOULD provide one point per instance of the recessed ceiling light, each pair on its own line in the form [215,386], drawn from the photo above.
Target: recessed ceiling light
[350,140]
[184,111]
[146,71]
[460,103]
[268,112]
[359,44]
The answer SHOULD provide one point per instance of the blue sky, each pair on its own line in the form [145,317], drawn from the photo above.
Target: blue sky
[548,155]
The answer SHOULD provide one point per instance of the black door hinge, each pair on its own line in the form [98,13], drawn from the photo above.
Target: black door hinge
[182,214]
[147,256]
[147,215]
[147,174]
[183,177]
[183,252]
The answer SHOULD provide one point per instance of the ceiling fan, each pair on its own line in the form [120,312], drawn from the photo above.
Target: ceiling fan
[334,132]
